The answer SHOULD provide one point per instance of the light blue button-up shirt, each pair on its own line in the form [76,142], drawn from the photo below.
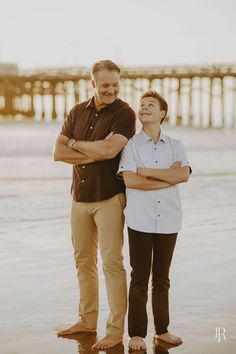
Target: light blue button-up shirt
[156,211]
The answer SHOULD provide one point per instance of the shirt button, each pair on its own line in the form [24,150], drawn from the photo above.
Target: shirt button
[158,201]
[90,127]
[96,115]
[155,148]
[82,181]
[156,161]
[83,166]
[158,215]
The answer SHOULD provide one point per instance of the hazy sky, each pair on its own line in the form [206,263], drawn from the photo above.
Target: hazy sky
[37,33]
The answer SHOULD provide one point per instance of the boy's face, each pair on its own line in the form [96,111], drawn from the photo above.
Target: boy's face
[149,111]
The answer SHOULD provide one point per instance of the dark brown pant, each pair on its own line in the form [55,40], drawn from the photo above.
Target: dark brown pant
[149,252]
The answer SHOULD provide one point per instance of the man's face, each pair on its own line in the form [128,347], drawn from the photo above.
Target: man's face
[107,86]
[149,111]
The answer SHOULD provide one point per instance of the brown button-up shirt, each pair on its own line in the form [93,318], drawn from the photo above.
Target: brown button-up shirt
[98,181]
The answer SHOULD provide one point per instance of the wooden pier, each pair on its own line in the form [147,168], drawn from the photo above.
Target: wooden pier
[201,96]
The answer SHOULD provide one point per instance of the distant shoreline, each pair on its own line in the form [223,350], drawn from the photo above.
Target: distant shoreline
[10,120]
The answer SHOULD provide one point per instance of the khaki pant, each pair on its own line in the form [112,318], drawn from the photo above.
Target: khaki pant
[100,223]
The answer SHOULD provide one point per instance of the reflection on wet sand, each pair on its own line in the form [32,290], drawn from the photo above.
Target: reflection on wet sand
[160,347]
[86,341]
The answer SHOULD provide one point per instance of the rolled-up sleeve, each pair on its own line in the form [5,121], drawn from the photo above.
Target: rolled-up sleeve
[68,126]
[124,123]
[127,161]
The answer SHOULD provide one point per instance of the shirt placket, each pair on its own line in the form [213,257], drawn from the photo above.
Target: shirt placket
[92,123]
[157,198]
[83,177]
[90,130]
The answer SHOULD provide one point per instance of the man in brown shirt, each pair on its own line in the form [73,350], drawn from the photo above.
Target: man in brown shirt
[91,139]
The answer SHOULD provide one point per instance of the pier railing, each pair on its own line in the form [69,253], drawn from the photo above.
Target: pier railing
[202,96]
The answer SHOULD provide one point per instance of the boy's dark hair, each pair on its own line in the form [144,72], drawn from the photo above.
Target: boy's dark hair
[162,102]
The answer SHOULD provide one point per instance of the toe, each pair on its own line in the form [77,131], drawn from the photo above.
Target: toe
[60,333]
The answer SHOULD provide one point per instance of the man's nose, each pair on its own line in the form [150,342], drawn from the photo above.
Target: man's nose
[111,91]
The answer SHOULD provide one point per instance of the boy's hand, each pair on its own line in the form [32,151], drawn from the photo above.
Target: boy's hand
[176,164]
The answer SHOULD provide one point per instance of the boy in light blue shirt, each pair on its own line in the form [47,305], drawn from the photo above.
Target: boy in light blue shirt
[152,165]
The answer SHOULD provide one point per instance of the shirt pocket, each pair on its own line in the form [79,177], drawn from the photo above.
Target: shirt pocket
[165,160]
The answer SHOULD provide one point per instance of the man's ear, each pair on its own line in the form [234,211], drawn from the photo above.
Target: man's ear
[93,83]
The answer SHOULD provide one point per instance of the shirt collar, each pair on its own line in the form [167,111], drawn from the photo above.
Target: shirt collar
[112,106]
[146,138]
[90,103]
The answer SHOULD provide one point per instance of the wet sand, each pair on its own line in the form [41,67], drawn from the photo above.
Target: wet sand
[39,290]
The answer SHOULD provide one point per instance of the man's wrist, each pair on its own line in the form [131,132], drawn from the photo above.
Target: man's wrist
[70,143]
[75,145]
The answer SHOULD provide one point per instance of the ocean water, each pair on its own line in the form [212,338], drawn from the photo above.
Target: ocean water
[22,145]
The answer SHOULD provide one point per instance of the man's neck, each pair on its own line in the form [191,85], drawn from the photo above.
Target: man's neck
[153,131]
[98,104]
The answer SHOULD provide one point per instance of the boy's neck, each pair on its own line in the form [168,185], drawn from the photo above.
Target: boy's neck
[153,131]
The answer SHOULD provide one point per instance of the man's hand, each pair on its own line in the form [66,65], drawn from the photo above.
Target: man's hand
[108,136]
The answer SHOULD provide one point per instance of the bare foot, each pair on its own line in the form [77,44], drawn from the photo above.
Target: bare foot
[169,338]
[137,343]
[108,341]
[75,328]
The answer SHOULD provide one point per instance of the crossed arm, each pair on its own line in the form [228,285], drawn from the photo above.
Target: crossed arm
[152,179]
[135,181]
[85,152]
[175,174]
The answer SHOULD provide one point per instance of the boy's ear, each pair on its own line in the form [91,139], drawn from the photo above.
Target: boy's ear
[163,113]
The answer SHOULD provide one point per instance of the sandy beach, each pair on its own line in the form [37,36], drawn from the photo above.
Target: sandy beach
[39,292]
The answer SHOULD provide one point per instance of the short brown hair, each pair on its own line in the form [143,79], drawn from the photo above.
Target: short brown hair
[104,65]
[162,102]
